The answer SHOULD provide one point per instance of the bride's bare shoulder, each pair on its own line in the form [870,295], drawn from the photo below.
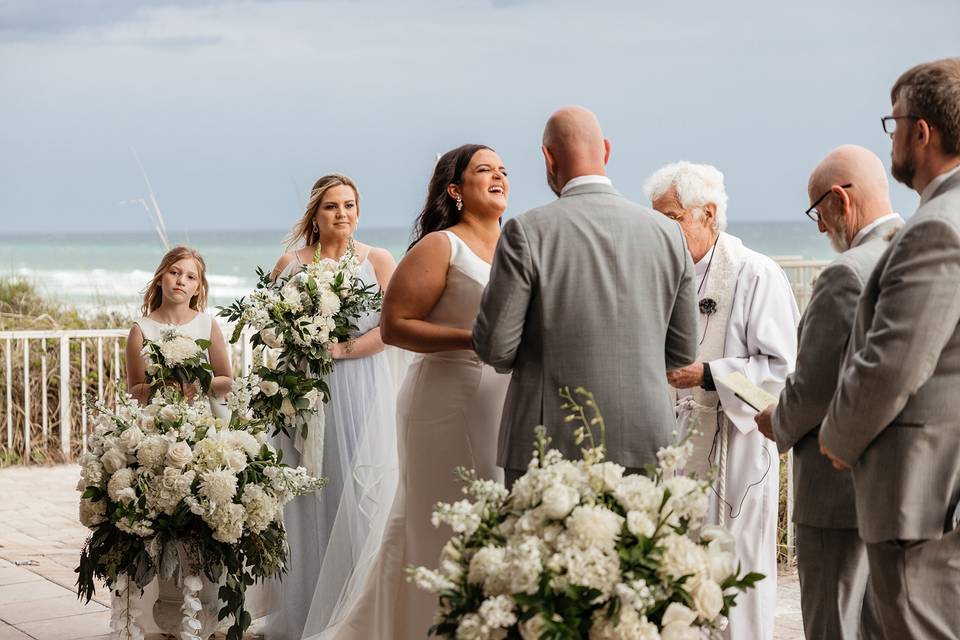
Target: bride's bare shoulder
[283,263]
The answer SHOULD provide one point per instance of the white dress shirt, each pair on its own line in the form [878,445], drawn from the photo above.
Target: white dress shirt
[579,180]
[935,184]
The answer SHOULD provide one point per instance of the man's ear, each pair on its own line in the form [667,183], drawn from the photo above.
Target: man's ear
[924,132]
[709,212]
[548,158]
[841,193]
[606,151]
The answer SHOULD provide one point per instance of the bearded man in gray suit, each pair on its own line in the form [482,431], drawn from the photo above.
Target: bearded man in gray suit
[895,417]
[850,202]
[590,290]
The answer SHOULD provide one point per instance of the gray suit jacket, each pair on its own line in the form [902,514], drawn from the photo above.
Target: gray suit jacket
[824,496]
[590,290]
[896,413]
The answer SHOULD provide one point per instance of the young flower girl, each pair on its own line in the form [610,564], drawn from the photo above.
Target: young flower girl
[175,299]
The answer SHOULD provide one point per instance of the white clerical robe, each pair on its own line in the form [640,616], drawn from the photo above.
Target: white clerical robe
[753,332]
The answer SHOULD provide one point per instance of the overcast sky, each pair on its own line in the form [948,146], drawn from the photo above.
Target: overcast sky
[234,108]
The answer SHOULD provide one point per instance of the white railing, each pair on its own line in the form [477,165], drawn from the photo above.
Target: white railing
[87,364]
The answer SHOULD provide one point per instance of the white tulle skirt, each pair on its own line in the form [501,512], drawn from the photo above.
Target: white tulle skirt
[334,535]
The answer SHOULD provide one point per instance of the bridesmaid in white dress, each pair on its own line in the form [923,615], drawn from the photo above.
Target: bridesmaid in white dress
[333,535]
[448,412]
[176,297]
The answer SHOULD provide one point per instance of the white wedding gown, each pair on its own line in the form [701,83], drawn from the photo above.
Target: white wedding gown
[448,415]
[334,535]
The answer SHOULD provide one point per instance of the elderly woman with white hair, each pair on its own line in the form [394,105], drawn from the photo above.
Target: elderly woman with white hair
[748,320]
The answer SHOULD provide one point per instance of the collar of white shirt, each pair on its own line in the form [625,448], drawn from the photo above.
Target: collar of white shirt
[580,180]
[857,239]
[935,184]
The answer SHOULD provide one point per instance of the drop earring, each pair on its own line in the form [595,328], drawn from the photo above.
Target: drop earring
[459,203]
[316,229]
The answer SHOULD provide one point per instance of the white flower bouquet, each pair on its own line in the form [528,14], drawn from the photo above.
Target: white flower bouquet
[579,550]
[177,358]
[169,488]
[297,318]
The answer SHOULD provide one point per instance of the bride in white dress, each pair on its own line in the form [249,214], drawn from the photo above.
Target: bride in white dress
[334,535]
[448,412]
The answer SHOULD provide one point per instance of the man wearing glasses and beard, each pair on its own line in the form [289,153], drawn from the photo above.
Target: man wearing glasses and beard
[895,417]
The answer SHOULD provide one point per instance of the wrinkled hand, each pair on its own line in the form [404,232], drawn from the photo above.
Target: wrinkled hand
[686,377]
[764,421]
[838,464]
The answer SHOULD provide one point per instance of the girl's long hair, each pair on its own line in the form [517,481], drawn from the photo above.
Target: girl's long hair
[153,296]
[440,210]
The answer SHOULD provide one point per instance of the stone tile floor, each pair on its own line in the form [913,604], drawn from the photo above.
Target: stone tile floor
[40,540]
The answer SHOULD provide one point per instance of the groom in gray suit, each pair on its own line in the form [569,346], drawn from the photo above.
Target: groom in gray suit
[895,418]
[590,290]
[850,202]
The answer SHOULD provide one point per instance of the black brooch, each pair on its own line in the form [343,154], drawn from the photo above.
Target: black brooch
[708,306]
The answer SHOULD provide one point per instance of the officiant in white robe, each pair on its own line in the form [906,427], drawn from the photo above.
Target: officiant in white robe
[748,320]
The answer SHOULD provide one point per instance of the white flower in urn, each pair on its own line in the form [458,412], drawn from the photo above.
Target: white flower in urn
[114,460]
[558,501]
[179,455]
[131,438]
[707,599]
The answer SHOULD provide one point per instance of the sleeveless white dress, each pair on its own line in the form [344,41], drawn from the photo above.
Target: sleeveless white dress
[448,415]
[334,535]
[199,329]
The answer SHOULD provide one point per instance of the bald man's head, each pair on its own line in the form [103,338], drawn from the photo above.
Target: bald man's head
[573,145]
[844,211]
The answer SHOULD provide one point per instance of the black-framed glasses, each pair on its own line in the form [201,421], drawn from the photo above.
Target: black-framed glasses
[812,212]
[890,122]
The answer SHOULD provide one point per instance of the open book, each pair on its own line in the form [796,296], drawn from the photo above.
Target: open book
[750,393]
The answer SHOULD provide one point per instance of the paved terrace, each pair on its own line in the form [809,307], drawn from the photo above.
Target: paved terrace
[40,540]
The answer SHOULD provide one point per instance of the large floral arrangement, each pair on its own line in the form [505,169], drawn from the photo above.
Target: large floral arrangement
[296,319]
[177,358]
[579,550]
[168,489]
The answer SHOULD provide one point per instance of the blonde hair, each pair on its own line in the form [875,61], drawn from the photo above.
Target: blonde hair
[153,296]
[304,229]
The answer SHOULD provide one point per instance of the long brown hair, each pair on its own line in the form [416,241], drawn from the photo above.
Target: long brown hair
[153,296]
[440,210]
[304,229]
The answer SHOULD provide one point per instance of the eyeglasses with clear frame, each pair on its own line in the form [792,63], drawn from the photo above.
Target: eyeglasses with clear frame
[813,213]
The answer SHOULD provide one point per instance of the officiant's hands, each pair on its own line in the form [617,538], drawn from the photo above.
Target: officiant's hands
[838,464]
[686,377]
[764,421]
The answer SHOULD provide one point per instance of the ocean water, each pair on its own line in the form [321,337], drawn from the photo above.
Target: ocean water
[110,270]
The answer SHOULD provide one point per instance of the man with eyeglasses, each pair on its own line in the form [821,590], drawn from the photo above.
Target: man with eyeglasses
[850,202]
[895,417]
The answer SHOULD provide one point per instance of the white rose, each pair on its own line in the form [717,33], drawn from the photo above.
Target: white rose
[169,413]
[127,495]
[179,455]
[723,564]
[147,422]
[680,632]
[313,397]
[558,501]
[131,438]
[270,338]
[236,460]
[114,460]
[269,387]
[605,476]
[708,599]
[532,628]
[679,615]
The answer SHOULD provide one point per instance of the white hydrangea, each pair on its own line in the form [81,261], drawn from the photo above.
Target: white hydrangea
[688,499]
[152,451]
[167,490]
[524,564]
[683,557]
[631,626]
[595,526]
[487,569]
[587,567]
[177,348]
[637,492]
[605,477]
[122,479]
[227,523]
[218,486]
[261,508]
[497,612]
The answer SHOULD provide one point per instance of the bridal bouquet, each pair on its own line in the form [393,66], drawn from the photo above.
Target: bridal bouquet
[297,318]
[168,488]
[579,550]
[179,358]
